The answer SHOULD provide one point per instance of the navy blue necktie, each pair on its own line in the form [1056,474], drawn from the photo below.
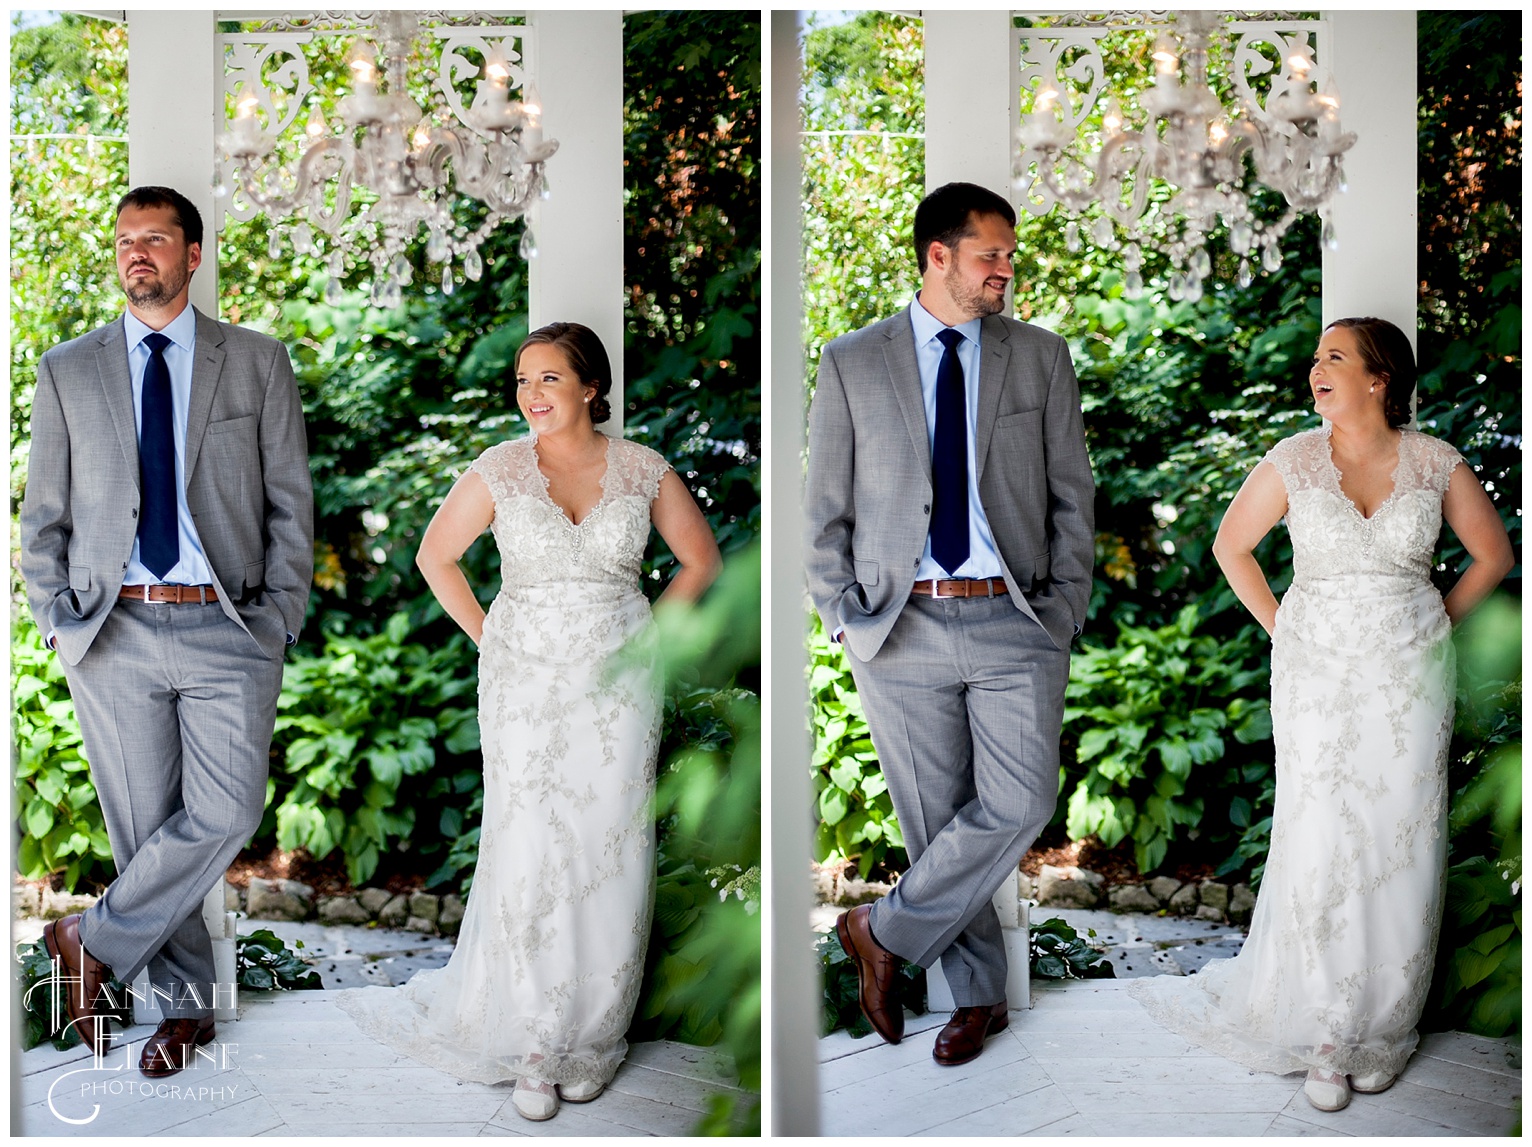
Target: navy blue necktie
[159,544]
[949,460]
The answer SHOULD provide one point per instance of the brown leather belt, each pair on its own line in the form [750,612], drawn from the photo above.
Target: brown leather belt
[174,594]
[960,587]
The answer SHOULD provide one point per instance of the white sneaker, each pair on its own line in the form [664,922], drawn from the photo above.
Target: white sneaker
[1326,1090]
[535,1100]
[1373,1082]
[580,1092]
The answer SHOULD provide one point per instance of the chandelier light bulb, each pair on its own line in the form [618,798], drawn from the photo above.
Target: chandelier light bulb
[1113,120]
[316,125]
[1166,61]
[364,71]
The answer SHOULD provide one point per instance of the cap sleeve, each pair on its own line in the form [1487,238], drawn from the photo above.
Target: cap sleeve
[1435,460]
[503,468]
[1299,460]
[641,469]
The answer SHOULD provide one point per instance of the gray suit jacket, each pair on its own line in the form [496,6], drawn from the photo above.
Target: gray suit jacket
[868,498]
[247,484]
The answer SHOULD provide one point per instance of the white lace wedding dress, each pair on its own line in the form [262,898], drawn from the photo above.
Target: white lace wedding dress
[1335,971]
[546,971]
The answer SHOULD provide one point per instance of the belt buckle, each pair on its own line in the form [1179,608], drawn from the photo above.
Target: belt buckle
[147,588]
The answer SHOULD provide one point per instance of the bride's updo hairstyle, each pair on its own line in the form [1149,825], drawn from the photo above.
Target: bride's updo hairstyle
[1385,353]
[587,357]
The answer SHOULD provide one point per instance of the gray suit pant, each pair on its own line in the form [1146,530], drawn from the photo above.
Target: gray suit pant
[965,701]
[176,706]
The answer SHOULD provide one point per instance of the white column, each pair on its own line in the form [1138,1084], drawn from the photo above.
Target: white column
[972,80]
[792,1075]
[1372,55]
[173,97]
[575,58]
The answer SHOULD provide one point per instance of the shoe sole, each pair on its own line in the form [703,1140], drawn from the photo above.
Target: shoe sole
[201,1040]
[1372,1090]
[584,1099]
[844,932]
[970,1058]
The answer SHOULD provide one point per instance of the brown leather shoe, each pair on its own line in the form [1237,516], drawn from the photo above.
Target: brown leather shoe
[877,973]
[169,1049]
[963,1038]
[84,976]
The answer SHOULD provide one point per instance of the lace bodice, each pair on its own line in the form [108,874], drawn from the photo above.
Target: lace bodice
[1330,536]
[540,546]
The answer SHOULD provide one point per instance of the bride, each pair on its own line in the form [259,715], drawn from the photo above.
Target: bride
[543,981]
[1336,969]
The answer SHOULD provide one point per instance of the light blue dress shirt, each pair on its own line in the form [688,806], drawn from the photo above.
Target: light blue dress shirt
[983,556]
[192,568]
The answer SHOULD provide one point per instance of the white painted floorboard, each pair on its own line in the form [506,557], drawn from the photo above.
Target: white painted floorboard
[1087,1060]
[295,1064]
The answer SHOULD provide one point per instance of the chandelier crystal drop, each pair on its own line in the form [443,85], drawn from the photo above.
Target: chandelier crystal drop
[1207,153]
[365,188]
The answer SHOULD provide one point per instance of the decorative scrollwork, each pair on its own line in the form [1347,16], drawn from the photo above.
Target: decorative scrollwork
[494,50]
[1043,60]
[342,21]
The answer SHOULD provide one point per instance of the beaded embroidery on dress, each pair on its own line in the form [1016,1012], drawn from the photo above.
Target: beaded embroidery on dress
[1343,937]
[546,971]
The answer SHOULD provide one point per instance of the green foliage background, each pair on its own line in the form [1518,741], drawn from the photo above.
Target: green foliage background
[377,746]
[1167,743]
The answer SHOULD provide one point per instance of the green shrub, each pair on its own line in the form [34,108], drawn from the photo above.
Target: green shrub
[353,726]
[1056,951]
[61,824]
[702,981]
[1148,717]
[856,813]
[263,963]
[1476,983]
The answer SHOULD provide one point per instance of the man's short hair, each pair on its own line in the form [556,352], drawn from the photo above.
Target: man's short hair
[947,215]
[185,211]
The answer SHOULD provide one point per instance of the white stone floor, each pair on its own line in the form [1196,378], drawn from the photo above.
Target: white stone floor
[1087,1060]
[295,1064]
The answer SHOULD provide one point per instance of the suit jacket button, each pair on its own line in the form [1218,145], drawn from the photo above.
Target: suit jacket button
[135,512]
[928,509]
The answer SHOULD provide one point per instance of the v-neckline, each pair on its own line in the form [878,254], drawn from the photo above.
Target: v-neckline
[1393,477]
[600,483]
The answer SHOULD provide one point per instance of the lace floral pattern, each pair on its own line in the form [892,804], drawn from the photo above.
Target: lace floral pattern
[546,971]
[1343,938]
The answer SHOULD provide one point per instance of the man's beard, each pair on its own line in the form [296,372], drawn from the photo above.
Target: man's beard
[974,302]
[156,292]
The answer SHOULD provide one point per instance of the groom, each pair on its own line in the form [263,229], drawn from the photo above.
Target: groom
[167,544]
[949,505]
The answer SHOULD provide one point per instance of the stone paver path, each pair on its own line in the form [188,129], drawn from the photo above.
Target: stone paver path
[295,1064]
[1088,1060]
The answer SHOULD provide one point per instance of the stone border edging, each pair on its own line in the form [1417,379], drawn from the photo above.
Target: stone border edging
[1060,887]
[287,900]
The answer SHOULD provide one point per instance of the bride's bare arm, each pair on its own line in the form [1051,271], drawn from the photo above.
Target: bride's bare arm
[690,538]
[1258,506]
[463,516]
[1477,524]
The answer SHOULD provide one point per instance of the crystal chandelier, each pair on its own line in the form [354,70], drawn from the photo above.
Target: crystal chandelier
[1204,151]
[408,168]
